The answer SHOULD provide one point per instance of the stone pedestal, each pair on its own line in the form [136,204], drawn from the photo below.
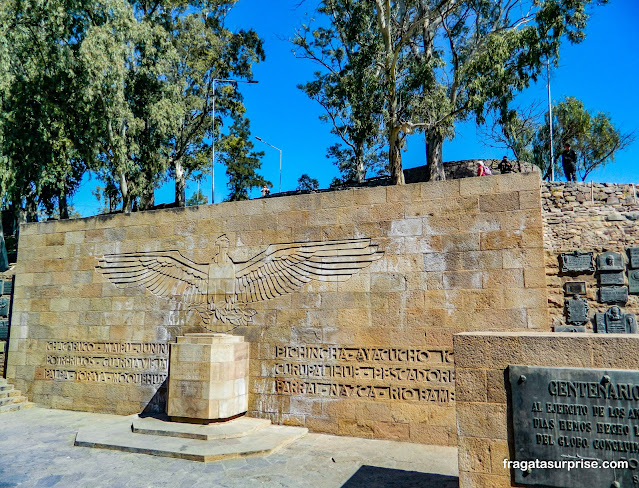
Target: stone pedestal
[208,378]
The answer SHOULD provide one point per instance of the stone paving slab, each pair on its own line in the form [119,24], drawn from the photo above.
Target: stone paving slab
[36,451]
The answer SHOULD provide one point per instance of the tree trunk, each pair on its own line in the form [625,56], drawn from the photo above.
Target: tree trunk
[180,185]
[434,159]
[32,208]
[126,197]
[360,170]
[395,158]
[4,260]
[63,205]
[147,199]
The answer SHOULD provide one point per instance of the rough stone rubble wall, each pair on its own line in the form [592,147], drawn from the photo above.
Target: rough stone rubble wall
[588,217]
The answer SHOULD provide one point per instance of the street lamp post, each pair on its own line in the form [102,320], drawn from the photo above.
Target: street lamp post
[552,150]
[262,140]
[221,80]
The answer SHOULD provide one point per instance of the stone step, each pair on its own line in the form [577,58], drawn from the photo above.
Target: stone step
[12,399]
[14,407]
[231,429]
[9,393]
[6,386]
[117,435]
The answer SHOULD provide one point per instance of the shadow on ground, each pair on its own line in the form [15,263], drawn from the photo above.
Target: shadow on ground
[376,477]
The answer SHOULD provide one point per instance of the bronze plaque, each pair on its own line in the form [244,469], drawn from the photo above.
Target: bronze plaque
[574,418]
[633,254]
[4,330]
[7,288]
[576,311]
[613,294]
[633,281]
[611,278]
[614,321]
[575,288]
[570,328]
[610,261]
[577,262]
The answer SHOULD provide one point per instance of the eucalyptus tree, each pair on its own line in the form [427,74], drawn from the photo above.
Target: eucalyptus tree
[241,161]
[153,68]
[442,61]
[514,129]
[469,56]
[42,137]
[346,84]
[593,137]
[120,87]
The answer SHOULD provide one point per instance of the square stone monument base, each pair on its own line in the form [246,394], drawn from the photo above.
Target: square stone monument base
[208,378]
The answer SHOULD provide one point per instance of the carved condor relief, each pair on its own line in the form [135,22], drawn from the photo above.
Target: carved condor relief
[221,291]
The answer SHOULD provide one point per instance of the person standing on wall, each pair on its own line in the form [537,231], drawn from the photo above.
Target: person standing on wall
[505,166]
[569,162]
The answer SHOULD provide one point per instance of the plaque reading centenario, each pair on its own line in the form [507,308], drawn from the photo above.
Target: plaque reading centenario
[588,416]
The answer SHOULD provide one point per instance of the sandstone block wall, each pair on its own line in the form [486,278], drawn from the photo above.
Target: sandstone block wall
[590,217]
[481,359]
[370,356]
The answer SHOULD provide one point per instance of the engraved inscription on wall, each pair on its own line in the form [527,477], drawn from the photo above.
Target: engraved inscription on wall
[132,363]
[576,415]
[413,374]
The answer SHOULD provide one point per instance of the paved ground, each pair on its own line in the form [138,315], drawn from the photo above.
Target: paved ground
[36,450]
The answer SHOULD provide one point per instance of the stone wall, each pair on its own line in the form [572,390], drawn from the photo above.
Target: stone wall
[588,217]
[6,276]
[370,356]
[3,346]
[466,168]
[481,359]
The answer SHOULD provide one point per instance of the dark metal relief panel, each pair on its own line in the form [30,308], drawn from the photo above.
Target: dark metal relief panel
[614,321]
[578,416]
[613,294]
[575,288]
[577,262]
[610,261]
[576,311]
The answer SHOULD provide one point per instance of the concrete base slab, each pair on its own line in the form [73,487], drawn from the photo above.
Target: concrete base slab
[238,427]
[118,435]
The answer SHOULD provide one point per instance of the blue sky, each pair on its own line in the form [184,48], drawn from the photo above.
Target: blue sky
[602,71]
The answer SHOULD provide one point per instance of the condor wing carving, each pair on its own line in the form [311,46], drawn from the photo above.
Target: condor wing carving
[282,268]
[167,274]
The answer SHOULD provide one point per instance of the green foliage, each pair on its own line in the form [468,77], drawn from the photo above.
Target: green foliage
[514,130]
[241,162]
[120,87]
[347,86]
[108,196]
[41,90]
[198,198]
[306,183]
[431,62]
[592,136]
